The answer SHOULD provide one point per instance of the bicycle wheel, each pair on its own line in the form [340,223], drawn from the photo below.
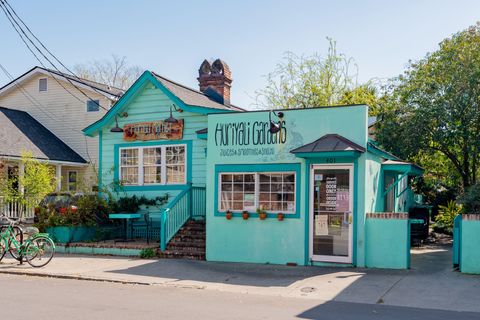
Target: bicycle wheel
[3,248]
[39,251]
[11,248]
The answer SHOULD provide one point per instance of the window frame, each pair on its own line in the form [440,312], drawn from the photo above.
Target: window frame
[163,165]
[68,180]
[257,190]
[96,101]
[46,85]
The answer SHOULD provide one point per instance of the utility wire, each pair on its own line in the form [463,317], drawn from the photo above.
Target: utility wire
[38,105]
[15,22]
[43,46]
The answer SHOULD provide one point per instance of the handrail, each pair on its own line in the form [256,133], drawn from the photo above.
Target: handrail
[174,216]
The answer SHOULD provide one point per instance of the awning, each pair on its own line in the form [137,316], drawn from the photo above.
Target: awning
[403,167]
[330,145]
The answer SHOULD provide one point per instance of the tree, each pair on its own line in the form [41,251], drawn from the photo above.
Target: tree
[115,72]
[432,109]
[28,189]
[313,81]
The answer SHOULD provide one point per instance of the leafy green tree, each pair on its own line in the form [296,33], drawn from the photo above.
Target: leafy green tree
[29,188]
[431,112]
[314,81]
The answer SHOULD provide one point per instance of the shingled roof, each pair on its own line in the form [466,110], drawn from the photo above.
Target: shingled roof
[20,132]
[193,97]
[329,143]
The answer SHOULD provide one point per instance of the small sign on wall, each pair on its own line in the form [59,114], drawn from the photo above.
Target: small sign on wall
[155,130]
[321,225]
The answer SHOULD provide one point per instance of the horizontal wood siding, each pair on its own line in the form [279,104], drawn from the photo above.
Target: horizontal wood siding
[151,104]
[61,113]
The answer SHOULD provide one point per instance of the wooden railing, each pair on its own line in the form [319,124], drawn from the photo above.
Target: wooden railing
[187,204]
[13,209]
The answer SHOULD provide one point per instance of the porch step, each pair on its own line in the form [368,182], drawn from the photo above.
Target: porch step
[188,243]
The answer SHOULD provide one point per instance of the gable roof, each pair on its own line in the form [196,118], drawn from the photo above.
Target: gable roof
[193,97]
[20,132]
[111,93]
[186,98]
[329,143]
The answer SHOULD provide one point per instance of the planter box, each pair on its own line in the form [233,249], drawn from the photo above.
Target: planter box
[72,234]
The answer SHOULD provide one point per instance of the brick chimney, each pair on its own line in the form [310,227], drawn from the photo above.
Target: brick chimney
[215,80]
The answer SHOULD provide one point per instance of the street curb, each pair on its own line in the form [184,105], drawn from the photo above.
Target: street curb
[72,277]
[86,278]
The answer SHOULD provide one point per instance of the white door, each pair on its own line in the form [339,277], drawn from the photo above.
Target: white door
[331,202]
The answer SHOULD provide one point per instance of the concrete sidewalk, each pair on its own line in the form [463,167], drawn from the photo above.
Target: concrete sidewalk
[429,284]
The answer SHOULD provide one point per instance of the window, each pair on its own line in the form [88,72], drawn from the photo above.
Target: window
[42,84]
[72,180]
[272,191]
[390,197]
[93,105]
[175,164]
[153,165]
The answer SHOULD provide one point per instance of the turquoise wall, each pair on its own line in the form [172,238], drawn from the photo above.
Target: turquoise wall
[470,244]
[387,243]
[149,103]
[272,241]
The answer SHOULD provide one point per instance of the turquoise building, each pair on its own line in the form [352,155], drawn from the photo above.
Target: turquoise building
[300,186]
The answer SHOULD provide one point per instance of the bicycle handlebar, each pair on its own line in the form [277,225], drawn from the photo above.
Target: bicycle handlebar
[11,221]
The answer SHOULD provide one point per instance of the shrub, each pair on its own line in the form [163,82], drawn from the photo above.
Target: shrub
[471,200]
[147,253]
[89,211]
[446,215]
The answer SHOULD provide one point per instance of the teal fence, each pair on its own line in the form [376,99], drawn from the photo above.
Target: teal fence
[199,204]
[189,203]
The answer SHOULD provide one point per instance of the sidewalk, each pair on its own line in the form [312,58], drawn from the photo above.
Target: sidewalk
[430,283]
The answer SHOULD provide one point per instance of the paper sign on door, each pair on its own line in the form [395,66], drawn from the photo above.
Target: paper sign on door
[321,225]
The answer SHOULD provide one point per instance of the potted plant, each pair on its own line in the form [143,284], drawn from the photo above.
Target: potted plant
[245,215]
[280,216]
[262,214]
[228,215]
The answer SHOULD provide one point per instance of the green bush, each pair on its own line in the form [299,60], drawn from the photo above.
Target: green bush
[471,200]
[89,210]
[147,253]
[445,217]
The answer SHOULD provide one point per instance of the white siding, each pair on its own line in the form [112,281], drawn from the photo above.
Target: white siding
[61,113]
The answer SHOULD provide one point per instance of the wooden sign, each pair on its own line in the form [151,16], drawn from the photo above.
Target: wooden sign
[155,130]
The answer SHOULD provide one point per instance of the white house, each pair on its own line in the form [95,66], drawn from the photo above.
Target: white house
[62,105]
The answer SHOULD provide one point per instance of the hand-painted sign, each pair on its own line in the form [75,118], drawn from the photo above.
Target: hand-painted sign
[155,130]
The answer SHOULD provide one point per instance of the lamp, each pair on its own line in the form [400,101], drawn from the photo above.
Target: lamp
[275,126]
[116,128]
[171,119]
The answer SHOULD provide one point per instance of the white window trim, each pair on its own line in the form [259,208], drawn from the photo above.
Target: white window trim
[257,189]
[68,179]
[163,167]
[46,84]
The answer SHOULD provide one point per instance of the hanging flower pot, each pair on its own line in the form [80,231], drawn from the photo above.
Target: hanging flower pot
[228,215]
[245,215]
[280,216]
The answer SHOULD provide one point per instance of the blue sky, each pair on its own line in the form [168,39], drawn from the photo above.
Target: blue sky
[173,37]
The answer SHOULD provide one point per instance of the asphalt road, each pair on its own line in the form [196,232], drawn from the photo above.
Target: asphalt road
[28,297]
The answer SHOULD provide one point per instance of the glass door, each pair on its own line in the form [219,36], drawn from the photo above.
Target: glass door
[331,198]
